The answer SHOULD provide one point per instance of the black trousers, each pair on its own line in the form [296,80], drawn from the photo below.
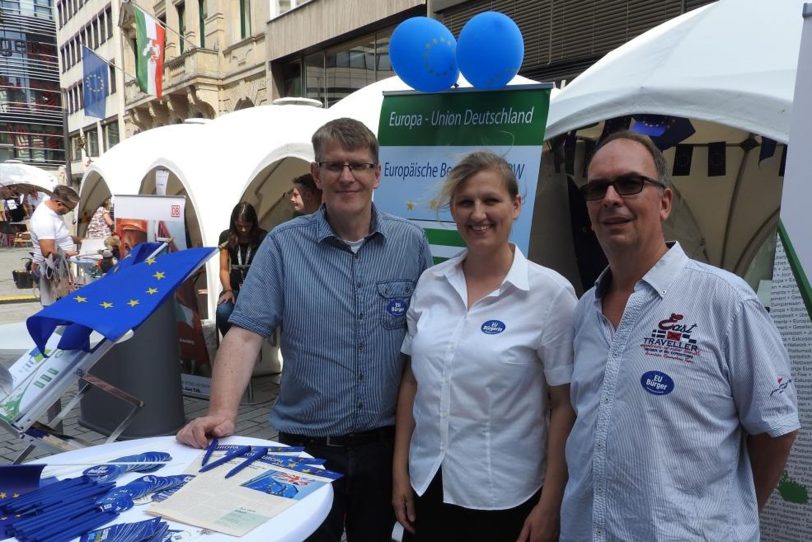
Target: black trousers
[362,498]
[437,521]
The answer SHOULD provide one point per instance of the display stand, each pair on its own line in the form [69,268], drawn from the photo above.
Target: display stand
[36,383]
[148,367]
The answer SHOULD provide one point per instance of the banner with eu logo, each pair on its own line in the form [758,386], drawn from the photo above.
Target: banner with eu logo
[96,77]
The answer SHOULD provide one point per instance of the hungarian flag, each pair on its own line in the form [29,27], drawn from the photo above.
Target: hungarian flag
[150,40]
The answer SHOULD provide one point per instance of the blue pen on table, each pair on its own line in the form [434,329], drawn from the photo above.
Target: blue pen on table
[212,446]
[259,453]
[242,450]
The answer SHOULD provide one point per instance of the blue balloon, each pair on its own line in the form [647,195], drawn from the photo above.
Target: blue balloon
[423,54]
[490,50]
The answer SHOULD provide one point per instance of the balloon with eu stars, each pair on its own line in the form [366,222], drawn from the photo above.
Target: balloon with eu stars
[423,54]
[490,50]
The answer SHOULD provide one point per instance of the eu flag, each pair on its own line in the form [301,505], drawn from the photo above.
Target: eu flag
[95,75]
[138,254]
[16,480]
[650,125]
[117,302]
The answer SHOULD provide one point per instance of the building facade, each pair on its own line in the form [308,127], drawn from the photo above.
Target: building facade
[31,121]
[92,24]
[325,49]
[214,63]
[224,55]
[214,60]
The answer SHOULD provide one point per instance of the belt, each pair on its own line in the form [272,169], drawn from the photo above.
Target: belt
[351,439]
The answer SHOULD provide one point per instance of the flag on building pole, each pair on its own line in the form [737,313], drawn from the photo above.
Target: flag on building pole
[150,40]
[96,76]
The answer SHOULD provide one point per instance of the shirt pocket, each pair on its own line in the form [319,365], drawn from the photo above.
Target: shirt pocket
[393,298]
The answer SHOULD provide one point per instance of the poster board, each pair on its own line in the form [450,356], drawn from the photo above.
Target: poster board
[154,218]
[788,514]
[422,136]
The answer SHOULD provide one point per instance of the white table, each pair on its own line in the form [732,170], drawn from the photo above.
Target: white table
[293,525]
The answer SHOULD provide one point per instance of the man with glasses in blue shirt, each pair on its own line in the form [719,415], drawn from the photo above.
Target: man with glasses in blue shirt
[347,271]
[686,411]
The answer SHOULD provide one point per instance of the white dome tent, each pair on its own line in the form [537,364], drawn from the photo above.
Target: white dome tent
[251,154]
[25,177]
[729,68]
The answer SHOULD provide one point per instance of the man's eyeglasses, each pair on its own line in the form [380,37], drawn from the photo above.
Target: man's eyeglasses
[625,185]
[335,167]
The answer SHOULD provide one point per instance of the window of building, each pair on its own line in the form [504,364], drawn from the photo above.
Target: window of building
[42,8]
[112,77]
[134,47]
[292,78]
[202,10]
[332,74]
[278,7]
[75,147]
[245,19]
[181,7]
[108,17]
[315,84]
[110,134]
[92,141]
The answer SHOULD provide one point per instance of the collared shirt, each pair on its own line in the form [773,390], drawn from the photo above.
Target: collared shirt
[343,318]
[48,224]
[481,409]
[663,403]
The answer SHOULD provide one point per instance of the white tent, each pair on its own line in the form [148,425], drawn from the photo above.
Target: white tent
[729,67]
[251,155]
[25,177]
[732,62]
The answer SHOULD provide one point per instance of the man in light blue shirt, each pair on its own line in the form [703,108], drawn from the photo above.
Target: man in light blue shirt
[338,282]
[686,411]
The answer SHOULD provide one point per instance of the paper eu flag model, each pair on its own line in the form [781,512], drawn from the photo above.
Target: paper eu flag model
[117,302]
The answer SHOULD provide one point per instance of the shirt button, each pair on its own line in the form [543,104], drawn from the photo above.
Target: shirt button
[360,406]
[361,347]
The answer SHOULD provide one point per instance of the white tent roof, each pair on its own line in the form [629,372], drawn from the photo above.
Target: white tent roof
[124,166]
[732,62]
[15,172]
[232,151]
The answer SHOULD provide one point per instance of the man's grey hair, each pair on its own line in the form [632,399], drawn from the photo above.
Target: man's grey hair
[66,195]
[660,164]
[351,134]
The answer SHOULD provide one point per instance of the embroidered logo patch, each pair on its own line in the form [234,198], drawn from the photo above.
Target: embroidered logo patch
[657,383]
[671,339]
[492,327]
[783,382]
[397,307]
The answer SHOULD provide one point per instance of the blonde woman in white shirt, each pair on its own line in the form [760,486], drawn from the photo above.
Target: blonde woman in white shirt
[483,411]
